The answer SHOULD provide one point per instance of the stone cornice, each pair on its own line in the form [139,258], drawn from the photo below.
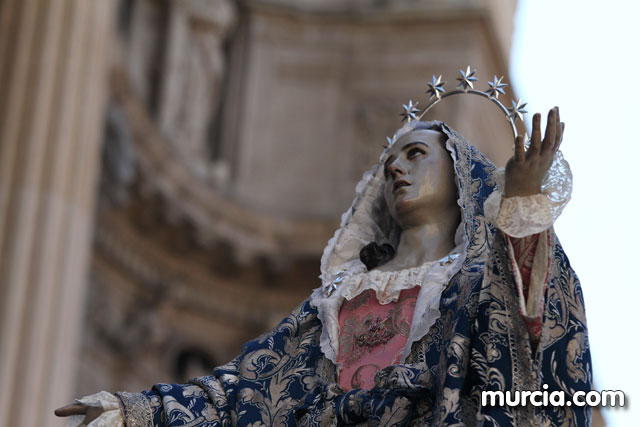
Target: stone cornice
[496,17]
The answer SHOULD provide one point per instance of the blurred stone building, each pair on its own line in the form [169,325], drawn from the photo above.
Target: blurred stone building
[234,136]
[170,171]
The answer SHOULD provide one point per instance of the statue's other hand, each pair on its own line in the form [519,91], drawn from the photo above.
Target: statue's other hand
[90,412]
[526,170]
[72,409]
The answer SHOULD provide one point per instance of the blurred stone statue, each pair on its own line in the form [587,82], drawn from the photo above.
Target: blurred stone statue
[444,280]
[193,75]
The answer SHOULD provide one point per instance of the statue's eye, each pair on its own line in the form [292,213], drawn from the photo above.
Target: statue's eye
[415,151]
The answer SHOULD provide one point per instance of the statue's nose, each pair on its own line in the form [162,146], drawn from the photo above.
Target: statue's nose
[396,170]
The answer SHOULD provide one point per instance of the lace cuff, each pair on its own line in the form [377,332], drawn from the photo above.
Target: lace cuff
[524,216]
[110,405]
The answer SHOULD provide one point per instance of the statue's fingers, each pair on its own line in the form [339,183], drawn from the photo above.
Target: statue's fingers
[558,127]
[519,149]
[549,146]
[535,131]
[72,409]
[550,131]
[535,134]
[560,137]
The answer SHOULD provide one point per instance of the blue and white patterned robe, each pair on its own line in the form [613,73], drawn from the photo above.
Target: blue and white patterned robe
[479,342]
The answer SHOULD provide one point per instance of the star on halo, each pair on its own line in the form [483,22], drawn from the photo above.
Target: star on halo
[495,87]
[517,110]
[436,87]
[410,111]
[466,78]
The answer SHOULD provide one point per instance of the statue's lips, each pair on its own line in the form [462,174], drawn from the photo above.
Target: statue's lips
[399,184]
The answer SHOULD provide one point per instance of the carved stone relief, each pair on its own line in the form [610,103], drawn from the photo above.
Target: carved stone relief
[177,60]
[193,72]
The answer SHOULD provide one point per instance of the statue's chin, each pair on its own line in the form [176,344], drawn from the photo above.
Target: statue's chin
[403,207]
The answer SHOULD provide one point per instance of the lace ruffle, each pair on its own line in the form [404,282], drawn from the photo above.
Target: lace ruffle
[386,284]
[523,216]
[432,277]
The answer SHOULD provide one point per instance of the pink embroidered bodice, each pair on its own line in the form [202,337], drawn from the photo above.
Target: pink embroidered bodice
[372,336]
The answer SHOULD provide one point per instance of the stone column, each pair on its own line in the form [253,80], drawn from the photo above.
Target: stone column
[53,86]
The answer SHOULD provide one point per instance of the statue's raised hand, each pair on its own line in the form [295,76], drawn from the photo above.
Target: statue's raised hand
[525,170]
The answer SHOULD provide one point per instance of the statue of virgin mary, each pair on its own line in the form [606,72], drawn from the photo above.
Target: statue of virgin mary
[444,281]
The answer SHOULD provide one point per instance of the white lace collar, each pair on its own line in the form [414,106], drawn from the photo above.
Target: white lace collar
[432,277]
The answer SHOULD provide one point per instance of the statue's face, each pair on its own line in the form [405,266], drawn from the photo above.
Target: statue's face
[419,177]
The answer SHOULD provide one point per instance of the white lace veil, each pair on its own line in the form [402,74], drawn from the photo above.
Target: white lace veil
[367,220]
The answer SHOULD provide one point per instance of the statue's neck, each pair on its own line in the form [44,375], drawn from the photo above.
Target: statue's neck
[431,240]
